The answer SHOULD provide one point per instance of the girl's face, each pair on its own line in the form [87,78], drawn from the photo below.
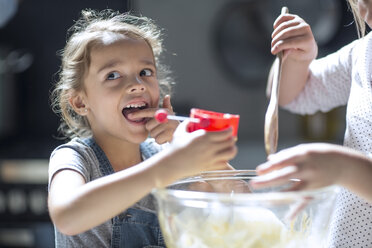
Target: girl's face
[365,10]
[121,79]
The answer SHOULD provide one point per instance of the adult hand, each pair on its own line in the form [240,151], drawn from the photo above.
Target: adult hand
[294,37]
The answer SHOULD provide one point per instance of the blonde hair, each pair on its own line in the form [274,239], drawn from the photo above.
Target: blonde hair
[89,31]
[359,22]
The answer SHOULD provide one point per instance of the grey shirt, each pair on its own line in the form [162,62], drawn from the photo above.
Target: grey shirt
[78,156]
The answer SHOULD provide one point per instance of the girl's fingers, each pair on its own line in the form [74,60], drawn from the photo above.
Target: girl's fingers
[290,25]
[222,151]
[220,135]
[275,178]
[228,153]
[162,137]
[294,45]
[215,151]
[151,124]
[293,155]
[267,167]
[167,103]
[290,33]
[283,18]
[155,131]
[277,161]
[155,127]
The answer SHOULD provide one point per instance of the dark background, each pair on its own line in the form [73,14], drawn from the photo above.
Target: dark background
[28,127]
[39,28]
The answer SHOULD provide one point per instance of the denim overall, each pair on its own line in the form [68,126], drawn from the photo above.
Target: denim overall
[134,228]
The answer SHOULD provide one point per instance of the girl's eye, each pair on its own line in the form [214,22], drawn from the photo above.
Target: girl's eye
[146,73]
[113,75]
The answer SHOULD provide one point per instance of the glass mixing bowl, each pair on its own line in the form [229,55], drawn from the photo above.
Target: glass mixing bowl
[219,209]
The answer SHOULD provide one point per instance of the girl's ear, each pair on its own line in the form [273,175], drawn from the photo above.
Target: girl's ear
[78,104]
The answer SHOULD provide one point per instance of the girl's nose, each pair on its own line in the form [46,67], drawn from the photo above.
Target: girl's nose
[136,87]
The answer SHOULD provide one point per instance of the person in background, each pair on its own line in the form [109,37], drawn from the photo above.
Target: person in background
[308,85]
[108,91]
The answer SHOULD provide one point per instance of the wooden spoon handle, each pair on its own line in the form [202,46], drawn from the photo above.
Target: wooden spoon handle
[271,117]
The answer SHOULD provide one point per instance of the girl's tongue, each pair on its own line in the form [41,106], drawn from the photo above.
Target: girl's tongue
[127,111]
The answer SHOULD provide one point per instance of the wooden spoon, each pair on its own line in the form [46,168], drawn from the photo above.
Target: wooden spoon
[271,122]
[271,117]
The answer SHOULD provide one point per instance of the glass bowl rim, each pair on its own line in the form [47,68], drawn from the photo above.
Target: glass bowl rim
[238,197]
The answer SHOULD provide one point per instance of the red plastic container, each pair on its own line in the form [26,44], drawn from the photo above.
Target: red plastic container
[217,121]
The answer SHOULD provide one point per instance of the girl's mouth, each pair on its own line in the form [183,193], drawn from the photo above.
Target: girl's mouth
[131,108]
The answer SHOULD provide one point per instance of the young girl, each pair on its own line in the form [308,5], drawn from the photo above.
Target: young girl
[107,94]
[309,85]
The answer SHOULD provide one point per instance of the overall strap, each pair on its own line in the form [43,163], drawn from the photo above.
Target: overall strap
[149,148]
[134,226]
[104,164]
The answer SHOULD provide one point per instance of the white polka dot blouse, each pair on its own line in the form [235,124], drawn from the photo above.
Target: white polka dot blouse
[345,78]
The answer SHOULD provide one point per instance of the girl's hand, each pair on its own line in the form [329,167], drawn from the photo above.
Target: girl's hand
[161,132]
[316,165]
[294,37]
[200,150]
